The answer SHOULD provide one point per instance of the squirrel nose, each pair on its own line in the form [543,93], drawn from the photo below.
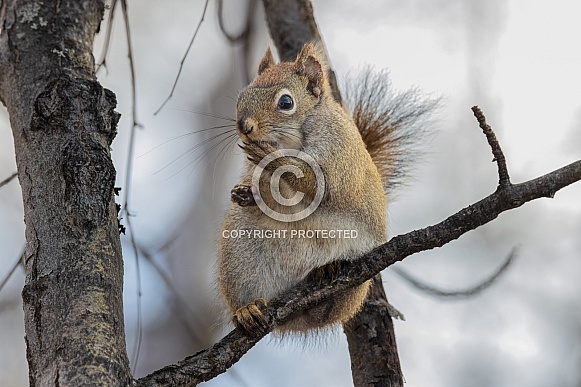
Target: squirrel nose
[244,126]
[241,124]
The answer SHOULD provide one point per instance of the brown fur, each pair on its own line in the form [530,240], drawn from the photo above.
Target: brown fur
[258,268]
[390,123]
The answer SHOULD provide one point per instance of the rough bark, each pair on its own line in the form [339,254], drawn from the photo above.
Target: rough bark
[292,23]
[63,123]
[372,346]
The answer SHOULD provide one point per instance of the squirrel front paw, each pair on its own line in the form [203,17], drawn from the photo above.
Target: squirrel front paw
[257,150]
[242,195]
[250,318]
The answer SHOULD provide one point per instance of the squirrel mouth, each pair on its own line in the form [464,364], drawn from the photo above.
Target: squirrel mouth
[250,146]
[259,143]
[265,142]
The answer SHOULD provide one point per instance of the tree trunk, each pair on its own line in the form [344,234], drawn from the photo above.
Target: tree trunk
[63,123]
[371,336]
[372,346]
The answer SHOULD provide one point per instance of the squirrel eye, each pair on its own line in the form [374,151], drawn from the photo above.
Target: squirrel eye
[286,103]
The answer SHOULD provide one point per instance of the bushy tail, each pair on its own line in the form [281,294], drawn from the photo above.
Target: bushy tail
[391,123]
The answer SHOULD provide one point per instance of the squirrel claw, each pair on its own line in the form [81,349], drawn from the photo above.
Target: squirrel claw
[242,195]
[250,318]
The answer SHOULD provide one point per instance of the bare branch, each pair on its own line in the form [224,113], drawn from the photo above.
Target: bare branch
[8,179]
[131,68]
[472,291]
[243,38]
[243,35]
[184,59]
[102,62]
[12,270]
[504,178]
[127,191]
[134,123]
[182,309]
[217,359]
[139,334]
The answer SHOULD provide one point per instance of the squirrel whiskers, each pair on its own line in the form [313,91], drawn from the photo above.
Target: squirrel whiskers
[313,188]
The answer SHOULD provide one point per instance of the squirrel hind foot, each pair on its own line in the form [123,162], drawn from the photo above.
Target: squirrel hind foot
[250,318]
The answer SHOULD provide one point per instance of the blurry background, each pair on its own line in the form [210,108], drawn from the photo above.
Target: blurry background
[518,60]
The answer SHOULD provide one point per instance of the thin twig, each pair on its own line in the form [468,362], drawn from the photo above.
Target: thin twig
[18,262]
[243,35]
[464,293]
[181,305]
[184,59]
[182,310]
[139,334]
[243,38]
[8,179]
[131,69]
[504,178]
[128,179]
[102,62]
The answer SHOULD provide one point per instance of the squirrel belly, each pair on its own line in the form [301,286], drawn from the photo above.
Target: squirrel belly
[289,106]
[258,266]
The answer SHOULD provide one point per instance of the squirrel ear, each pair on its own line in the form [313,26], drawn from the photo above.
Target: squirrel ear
[266,62]
[309,65]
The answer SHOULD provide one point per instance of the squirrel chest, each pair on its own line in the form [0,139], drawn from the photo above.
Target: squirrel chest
[310,195]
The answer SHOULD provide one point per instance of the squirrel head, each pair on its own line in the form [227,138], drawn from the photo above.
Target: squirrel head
[274,107]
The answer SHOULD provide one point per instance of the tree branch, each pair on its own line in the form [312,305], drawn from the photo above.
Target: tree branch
[8,179]
[245,33]
[217,359]
[184,59]
[102,62]
[469,292]
[504,178]
[19,262]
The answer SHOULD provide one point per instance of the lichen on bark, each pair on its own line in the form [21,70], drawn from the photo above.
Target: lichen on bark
[63,123]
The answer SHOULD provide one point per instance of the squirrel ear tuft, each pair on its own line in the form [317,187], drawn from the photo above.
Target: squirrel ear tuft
[266,62]
[309,65]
